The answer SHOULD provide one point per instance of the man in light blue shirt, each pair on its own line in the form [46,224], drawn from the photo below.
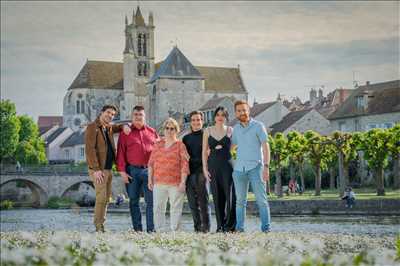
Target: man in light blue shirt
[251,165]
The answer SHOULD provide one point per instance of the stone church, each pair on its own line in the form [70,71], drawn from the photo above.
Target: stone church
[167,88]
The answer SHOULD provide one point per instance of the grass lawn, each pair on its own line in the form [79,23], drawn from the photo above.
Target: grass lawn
[361,194]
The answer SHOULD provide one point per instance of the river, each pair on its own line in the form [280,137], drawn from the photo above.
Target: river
[81,220]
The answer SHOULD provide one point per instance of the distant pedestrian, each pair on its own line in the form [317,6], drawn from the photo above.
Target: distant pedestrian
[119,200]
[350,197]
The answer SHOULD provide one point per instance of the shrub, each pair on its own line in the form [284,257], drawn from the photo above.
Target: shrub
[6,205]
[57,202]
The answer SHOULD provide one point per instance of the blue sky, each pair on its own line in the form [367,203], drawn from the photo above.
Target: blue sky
[282,47]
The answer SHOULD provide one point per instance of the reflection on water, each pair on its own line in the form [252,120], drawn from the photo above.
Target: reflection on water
[81,220]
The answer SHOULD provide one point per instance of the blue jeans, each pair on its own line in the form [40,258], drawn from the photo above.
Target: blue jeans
[241,180]
[134,189]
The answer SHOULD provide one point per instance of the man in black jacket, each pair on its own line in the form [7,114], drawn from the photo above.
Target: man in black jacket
[196,188]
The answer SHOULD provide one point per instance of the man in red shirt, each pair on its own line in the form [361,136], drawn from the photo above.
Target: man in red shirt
[132,158]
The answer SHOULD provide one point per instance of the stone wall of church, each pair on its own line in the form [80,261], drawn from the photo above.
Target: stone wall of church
[172,95]
[84,105]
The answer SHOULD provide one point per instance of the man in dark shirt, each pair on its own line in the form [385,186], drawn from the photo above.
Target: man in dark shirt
[196,188]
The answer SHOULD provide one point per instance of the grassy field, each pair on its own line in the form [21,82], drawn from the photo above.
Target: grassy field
[361,194]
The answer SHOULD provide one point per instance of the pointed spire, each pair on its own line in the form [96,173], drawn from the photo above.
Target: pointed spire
[133,16]
[151,19]
[139,20]
[128,43]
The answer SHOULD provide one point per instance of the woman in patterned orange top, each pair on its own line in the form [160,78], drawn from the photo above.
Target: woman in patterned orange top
[168,169]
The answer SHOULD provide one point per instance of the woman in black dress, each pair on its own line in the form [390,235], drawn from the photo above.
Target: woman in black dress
[217,169]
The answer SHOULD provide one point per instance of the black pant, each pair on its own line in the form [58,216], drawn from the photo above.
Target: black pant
[223,193]
[197,195]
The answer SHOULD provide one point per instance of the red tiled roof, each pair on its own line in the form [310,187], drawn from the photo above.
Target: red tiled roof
[49,121]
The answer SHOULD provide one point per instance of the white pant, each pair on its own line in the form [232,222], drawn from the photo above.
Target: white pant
[161,194]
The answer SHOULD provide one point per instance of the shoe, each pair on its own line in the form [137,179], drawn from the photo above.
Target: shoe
[267,231]
[100,228]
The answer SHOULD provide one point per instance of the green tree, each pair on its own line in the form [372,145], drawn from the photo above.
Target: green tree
[317,155]
[31,148]
[31,152]
[297,147]
[394,148]
[29,130]
[331,162]
[375,144]
[10,126]
[278,155]
[346,148]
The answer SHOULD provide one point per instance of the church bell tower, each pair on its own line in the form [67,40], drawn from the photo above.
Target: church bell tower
[138,62]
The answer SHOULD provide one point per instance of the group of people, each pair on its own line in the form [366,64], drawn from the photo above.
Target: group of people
[164,168]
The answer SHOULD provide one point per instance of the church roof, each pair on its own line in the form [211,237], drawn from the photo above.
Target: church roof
[109,75]
[99,75]
[176,65]
[219,79]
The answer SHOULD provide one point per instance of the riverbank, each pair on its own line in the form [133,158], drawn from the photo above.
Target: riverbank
[305,207]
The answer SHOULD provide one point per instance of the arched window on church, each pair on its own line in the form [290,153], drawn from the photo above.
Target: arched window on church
[145,69]
[144,44]
[139,43]
[78,107]
[82,106]
[139,69]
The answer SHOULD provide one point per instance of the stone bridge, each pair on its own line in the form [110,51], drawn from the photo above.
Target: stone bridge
[44,186]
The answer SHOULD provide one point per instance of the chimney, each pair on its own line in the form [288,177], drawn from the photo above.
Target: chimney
[320,94]
[366,96]
[313,96]
[341,95]
[255,101]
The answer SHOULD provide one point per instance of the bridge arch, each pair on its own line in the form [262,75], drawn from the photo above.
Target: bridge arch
[88,182]
[39,194]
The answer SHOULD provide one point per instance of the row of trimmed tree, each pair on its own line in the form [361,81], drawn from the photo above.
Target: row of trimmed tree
[376,147]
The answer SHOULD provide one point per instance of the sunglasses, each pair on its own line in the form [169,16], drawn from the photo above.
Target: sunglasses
[169,128]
